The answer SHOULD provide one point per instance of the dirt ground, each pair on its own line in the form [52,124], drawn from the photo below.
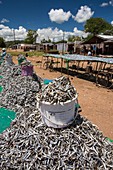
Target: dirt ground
[96,102]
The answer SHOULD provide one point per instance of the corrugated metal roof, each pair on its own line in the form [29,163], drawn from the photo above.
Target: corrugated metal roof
[107,37]
[98,39]
[109,41]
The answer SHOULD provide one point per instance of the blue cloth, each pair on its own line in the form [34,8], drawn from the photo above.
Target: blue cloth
[94,47]
[47,81]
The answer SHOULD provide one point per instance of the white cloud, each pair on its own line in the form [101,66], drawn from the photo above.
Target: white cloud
[107,3]
[3,26]
[57,35]
[4,20]
[59,16]
[112,23]
[46,33]
[83,14]
[8,33]
[104,4]
[20,33]
[80,33]
[49,33]
[111,2]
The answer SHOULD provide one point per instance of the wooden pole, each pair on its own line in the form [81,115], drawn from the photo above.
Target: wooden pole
[61,65]
[57,62]
[68,68]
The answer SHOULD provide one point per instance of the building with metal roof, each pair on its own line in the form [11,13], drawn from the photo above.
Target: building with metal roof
[103,44]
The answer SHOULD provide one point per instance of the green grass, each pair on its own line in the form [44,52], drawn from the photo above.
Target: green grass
[30,53]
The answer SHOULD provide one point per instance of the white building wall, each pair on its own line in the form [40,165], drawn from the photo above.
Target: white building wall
[62,47]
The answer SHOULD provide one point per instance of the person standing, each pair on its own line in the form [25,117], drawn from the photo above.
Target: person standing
[89,53]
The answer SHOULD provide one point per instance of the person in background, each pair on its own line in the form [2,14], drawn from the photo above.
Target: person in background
[84,47]
[89,53]
[3,53]
[26,54]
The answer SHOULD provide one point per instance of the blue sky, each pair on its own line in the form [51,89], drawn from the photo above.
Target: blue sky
[54,16]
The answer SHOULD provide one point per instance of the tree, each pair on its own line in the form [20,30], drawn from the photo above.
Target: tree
[109,32]
[97,26]
[2,42]
[46,41]
[74,38]
[61,41]
[31,37]
[11,43]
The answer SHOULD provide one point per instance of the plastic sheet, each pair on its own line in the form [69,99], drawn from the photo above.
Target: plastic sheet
[6,117]
[110,140]
[78,57]
[47,81]
[1,88]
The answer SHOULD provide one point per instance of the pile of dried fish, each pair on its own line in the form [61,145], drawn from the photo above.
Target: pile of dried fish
[10,71]
[57,92]
[8,59]
[18,91]
[23,61]
[21,58]
[30,145]
[26,63]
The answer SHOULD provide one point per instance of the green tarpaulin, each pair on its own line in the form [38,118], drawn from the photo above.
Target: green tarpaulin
[109,139]
[1,88]
[47,81]
[6,117]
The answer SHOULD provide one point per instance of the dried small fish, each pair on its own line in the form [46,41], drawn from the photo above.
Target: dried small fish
[18,91]
[57,92]
[29,145]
